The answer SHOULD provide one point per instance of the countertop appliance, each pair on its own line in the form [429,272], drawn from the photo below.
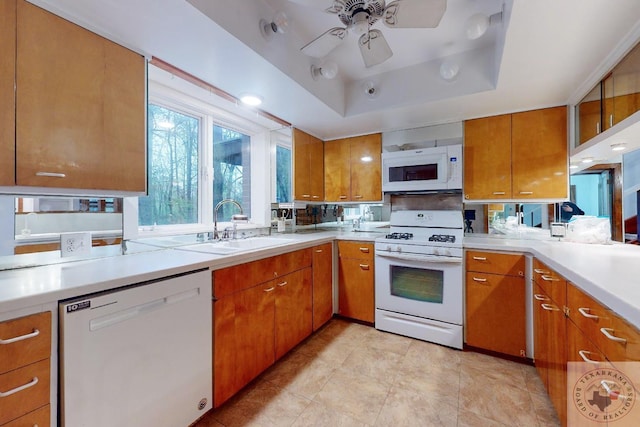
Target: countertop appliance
[426,169]
[138,356]
[419,277]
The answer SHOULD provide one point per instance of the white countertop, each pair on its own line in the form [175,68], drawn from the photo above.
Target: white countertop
[609,273]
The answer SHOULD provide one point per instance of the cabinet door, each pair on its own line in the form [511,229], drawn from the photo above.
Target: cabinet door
[589,112]
[356,289]
[308,167]
[366,167]
[7,92]
[487,158]
[322,285]
[541,330]
[495,307]
[254,320]
[224,350]
[32,348]
[80,107]
[293,314]
[539,154]
[337,171]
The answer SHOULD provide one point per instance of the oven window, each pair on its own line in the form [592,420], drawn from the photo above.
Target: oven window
[413,173]
[417,283]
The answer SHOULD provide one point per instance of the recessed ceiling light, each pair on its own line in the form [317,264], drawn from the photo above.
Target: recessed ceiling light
[619,147]
[587,160]
[573,167]
[250,99]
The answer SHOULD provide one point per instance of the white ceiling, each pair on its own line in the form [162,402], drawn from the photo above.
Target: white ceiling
[554,52]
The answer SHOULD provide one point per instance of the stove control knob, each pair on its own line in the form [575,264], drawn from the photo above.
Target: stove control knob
[447,252]
[436,251]
[398,248]
[388,248]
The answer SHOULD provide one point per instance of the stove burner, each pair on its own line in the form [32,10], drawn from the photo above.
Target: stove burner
[399,236]
[442,238]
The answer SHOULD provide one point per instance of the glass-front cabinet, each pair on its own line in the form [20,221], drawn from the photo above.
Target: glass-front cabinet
[615,97]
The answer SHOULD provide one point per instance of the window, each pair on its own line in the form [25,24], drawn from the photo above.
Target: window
[283,174]
[172,168]
[231,171]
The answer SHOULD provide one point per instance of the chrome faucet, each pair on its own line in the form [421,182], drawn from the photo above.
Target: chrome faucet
[234,217]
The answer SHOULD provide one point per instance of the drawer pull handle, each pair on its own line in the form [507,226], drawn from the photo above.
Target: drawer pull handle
[364,266]
[282,284]
[586,312]
[549,278]
[342,197]
[31,383]
[51,174]
[480,258]
[318,251]
[526,192]
[306,196]
[357,197]
[499,193]
[269,289]
[33,334]
[479,279]
[549,307]
[540,297]
[583,354]
[315,197]
[608,332]
[540,271]
[364,250]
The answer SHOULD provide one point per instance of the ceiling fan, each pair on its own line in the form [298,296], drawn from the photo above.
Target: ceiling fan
[358,16]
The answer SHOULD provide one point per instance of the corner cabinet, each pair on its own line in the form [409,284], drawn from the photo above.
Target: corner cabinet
[80,107]
[517,156]
[353,169]
[308,167]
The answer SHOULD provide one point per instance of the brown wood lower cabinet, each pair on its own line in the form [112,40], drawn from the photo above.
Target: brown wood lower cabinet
[495,302]
[322,284]
[356,280]
[254,324]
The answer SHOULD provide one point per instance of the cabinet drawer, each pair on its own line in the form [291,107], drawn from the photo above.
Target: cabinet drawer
[30,386]
[618,340]
[495,263]
[40,417]
[355,250]
[551,282]
[24,340]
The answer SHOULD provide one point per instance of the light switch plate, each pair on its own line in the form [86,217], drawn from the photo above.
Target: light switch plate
[75,244]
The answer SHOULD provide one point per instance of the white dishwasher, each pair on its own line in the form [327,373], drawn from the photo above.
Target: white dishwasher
[138,356]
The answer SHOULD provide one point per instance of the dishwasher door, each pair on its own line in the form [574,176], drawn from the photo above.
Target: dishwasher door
[138,356]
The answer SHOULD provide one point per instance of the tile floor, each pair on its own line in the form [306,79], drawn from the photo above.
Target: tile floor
[348,375]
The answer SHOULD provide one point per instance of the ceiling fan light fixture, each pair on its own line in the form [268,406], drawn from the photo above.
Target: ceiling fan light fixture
[328,70]
[476,26]
[449,70]
[361,23]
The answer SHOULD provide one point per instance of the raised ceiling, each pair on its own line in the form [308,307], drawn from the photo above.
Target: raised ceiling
[544,53]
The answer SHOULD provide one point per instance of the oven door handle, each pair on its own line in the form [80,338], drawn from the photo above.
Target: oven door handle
[417,257]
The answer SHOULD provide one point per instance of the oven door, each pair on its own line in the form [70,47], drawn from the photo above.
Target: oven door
[420,285]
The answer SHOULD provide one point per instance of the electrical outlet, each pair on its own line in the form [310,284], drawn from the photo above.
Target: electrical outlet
[74,244]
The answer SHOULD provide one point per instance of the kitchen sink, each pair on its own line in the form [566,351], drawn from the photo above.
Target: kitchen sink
[255,242]
[231,246]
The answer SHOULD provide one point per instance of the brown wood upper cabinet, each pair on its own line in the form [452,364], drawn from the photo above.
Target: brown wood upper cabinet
[7,91]
[80,106]
[308,167]
[353,169]
[517,156]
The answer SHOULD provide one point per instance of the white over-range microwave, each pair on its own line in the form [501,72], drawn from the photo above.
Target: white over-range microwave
[426,169]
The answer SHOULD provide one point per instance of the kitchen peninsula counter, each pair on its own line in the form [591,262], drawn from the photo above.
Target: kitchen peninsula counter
[22,288]
[607,272]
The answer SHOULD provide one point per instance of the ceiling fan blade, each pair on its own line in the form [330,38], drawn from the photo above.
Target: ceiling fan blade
[414,13]
[325,43]
[374,48]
